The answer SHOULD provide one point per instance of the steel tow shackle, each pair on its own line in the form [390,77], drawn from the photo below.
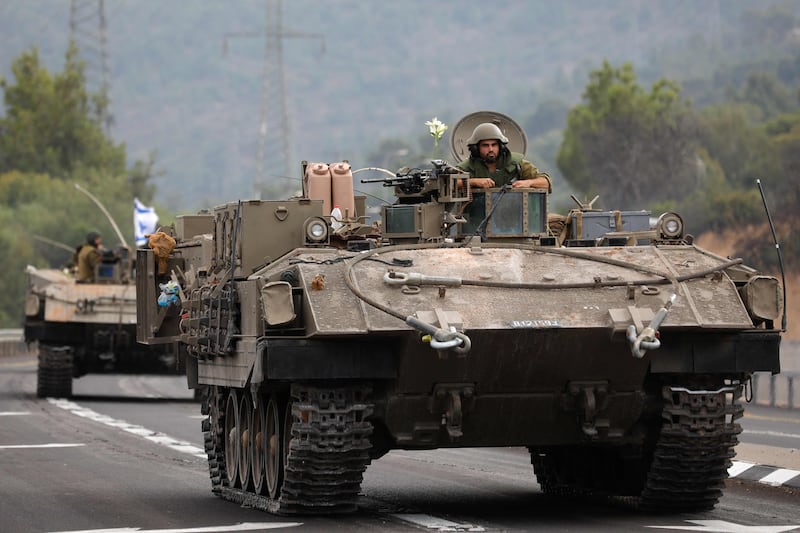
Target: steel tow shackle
[648,338]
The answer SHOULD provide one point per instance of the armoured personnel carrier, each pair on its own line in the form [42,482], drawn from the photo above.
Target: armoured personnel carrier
[614,349]
[87,328]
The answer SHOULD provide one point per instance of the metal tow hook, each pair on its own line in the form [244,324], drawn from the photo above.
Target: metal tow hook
[441,339]
[648,338]
[459,342]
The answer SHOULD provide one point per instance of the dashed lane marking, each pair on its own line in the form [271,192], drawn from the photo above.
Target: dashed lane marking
[779,477]
[51,445]
[244,526]
[721,526]
[32,446]
[433,523]
[767,475]
[737,467]
[772,434]
[153,436]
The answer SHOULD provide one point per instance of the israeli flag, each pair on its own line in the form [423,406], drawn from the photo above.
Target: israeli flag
[144,221]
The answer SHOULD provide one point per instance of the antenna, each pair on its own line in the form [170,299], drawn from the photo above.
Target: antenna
[777,250]
[273,126]
[87,25]
[106,213]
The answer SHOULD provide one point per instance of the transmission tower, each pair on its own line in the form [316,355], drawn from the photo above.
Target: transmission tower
[87,24]
[273,125]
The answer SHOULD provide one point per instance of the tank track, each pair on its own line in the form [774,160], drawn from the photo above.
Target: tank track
[54,375]
[328,452]
[694,450]
[683,471]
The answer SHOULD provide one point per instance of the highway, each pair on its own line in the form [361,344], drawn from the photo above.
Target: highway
[125,454]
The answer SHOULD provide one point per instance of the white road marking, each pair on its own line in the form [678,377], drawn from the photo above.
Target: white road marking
[434,523]
[426,521]
[779,477]
[153,436]
[721,526]
[14,413]
[737,467]
[771,434]
[244,526]
[776,478]
[52,445]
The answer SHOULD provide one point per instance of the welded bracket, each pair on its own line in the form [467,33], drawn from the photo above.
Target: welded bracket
[452,401]
[589,398]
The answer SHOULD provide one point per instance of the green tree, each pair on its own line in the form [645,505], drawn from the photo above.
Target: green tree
[51,138]
[733,136]
[767,93]
[630,146]
[52,125]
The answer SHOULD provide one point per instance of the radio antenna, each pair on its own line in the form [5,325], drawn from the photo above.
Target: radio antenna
[777,249]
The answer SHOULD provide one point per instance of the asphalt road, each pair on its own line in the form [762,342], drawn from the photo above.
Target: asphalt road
[125,455]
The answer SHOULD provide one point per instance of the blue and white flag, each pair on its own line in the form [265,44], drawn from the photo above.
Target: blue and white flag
[144,221]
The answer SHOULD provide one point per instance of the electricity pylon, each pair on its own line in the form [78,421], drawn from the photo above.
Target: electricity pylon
[273,127]
[87,24]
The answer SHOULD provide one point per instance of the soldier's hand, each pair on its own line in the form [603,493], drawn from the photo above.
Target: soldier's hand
[481,183]
[531,184]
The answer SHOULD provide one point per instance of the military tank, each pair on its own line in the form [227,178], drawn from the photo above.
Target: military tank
[613,348]
[88,328]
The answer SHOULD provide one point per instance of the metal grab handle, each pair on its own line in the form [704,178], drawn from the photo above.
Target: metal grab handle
[415,278]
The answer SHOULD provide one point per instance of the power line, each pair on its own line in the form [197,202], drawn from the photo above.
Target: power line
[273,127]
[87,24]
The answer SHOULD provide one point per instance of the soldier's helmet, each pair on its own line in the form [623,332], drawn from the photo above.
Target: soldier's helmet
[92,236]
[485,131]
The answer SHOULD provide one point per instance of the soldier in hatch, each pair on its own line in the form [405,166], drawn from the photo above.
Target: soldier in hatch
[89,256]
[492,164]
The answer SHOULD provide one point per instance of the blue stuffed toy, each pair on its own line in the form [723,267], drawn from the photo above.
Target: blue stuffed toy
[169,293]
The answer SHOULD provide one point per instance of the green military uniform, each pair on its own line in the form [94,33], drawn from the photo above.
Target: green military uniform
[510,166]
[88,258]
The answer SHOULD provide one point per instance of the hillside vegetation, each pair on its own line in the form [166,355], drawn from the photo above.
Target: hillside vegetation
[665,105]
[186,77]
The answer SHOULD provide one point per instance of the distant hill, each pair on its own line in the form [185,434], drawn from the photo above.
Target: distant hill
[384,69]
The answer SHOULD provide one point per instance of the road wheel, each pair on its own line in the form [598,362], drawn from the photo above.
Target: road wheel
[258,444]
[245,417]
[274,448]
[232,440]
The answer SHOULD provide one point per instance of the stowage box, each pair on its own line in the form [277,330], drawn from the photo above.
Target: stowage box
[594,225]
[255,246]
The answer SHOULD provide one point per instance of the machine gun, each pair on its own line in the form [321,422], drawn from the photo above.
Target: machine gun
[416,181]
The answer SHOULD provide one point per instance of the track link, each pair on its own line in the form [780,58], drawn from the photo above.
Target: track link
[683,469]
[327,453]
[54,375]
[694,450]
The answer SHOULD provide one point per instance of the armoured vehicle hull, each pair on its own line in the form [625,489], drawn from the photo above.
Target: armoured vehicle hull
[85,328]
[617,356]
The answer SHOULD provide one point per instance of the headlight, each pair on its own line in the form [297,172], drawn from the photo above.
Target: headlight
[670,226]
[316,230]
